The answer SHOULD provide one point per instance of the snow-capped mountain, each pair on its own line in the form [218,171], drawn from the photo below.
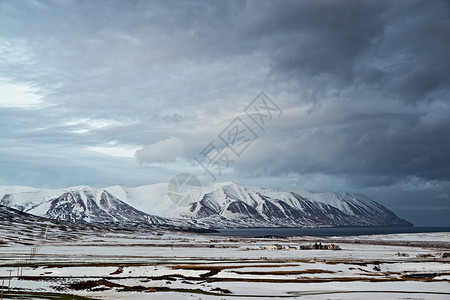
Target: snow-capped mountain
[89,205]
[78,204]
[233,203]
[221,205]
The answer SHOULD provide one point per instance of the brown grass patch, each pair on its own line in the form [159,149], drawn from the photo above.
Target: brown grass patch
[218,267]
[299,272]
[118,271]
[85,285]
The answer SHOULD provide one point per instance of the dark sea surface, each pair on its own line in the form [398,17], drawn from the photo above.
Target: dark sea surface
[344,231]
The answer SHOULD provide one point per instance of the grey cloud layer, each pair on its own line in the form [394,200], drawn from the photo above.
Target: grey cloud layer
[364,87]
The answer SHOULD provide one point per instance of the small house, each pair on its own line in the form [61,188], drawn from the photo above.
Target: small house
[333,247]
[289,248]
[274,247]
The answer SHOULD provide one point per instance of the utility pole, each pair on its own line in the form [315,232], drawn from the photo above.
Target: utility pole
[9,282]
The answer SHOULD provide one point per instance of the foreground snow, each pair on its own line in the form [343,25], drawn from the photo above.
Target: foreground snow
[174,265]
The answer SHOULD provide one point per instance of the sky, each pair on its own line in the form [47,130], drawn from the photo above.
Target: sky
[317,95]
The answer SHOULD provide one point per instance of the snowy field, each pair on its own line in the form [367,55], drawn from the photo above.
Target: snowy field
[105,264]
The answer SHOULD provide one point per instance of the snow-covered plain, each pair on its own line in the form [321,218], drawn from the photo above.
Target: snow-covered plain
[161,264]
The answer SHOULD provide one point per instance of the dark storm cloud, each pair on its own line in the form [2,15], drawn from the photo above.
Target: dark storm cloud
[398,46]
[359,59]
[313,38]
[392,145]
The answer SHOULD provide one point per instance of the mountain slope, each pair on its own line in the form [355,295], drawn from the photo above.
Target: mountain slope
[233,204]
[21,228]
[89,205]
[76,204]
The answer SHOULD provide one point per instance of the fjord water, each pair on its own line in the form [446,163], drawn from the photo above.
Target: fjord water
[335,231]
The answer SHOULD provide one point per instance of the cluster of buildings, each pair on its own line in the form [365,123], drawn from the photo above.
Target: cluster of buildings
[315,246]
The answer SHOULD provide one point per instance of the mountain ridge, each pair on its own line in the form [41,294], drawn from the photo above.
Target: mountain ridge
[222,205]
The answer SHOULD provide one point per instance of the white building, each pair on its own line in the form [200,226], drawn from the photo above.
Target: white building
[274,247]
